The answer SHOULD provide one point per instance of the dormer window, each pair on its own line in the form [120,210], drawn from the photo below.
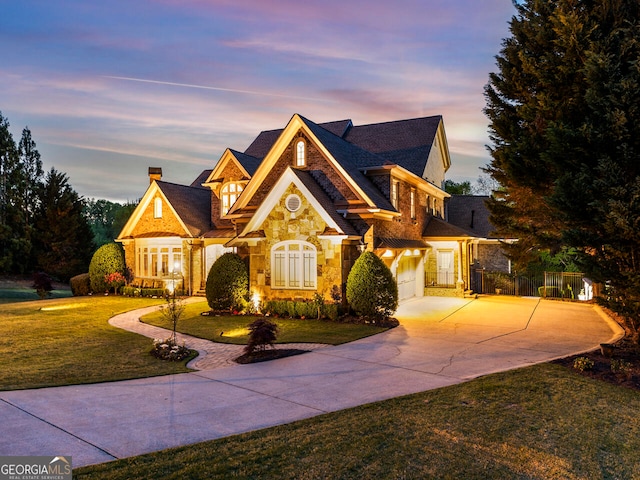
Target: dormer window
[228,196]
[301,153]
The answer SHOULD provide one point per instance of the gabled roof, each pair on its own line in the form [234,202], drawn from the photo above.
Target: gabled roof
[438,228]
[265,140]
[352,158]
[197,183]
[248,162]
[319,194]
[405,142]
[314,195]
[470,213]
[191,204]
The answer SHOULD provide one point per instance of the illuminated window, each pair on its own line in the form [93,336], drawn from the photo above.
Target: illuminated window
[157,208]
[159,261]
[412,198]
[395,190]
[301,153]
[229,195]
[293,265]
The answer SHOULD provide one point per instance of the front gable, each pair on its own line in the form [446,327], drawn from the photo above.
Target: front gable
[292,211]
[328,172]
[154,217]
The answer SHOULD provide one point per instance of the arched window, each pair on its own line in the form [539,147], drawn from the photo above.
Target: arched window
[157,207]
[228,196]
[301,157]
[294,265]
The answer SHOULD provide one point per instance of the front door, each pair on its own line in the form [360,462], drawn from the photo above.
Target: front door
[445,267]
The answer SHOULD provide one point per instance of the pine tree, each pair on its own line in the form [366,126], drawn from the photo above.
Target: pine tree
[65,244]
[564,111]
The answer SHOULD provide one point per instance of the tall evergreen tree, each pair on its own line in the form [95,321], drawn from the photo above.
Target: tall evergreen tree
[65,240]
[564,111]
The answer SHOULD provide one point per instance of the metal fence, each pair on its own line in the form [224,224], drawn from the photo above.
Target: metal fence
[549,284]
[441,279]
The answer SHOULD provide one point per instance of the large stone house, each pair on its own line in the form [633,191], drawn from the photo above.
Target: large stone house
[301,203]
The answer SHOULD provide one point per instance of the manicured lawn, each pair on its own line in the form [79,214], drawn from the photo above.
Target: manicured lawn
[69,341]
[23,294]
[234,328]
[541,422]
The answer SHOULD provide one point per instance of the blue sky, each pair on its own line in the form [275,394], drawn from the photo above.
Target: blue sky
[111,88]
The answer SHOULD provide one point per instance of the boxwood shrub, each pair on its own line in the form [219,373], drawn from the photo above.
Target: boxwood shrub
[228,283]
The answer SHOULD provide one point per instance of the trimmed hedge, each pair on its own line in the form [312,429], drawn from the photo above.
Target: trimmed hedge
[147,292]
[80,285]
[107,259]
[289,308]
[371,289]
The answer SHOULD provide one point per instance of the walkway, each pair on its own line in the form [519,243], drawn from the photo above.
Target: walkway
[439,342]
[210,354]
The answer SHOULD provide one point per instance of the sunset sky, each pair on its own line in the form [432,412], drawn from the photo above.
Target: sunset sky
[111,88]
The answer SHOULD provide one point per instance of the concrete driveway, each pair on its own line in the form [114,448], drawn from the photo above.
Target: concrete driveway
[440,342]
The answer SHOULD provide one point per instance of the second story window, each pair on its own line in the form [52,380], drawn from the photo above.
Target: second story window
[395,192]
[412,199]
[157,207]
[228,196]
[301,153]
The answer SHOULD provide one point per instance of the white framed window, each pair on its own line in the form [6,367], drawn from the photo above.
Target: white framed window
[157,260]
[157,207]
[294,265]
[228,196]
[395,192]
[301,153]
[412,199]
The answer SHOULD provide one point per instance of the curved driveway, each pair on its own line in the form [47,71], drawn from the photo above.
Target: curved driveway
[440,342]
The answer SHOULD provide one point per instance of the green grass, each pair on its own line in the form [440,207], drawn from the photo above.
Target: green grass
[69,341]
[23,294]
[541,422]
[234,328]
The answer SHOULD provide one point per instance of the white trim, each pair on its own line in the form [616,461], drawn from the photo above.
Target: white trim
[288,177]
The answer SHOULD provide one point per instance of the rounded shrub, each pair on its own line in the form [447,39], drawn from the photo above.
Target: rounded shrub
[227,283]
[80,285]
[108,259]
[371,288]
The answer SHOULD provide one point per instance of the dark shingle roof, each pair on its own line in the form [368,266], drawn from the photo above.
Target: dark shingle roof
[352,158]
[263,142]
[470,213]
[192,204]
[438,228]
[248,162]
[197,183]
[324,200]
[406,143]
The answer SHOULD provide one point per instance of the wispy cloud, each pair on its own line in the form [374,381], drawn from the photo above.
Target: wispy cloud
[206,87]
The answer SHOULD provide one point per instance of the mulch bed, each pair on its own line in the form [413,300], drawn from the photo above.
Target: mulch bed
[625,350]
[269,354]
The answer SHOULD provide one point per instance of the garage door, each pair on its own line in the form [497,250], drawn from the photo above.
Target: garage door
[406,277]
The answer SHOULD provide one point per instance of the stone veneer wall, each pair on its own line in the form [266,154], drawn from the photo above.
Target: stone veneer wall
[304,225]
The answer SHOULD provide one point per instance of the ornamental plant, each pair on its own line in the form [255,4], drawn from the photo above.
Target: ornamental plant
[228,283]
[108,259]
[114,281]
[262,333]
[371,288]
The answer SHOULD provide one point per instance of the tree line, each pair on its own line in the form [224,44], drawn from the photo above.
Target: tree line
[44,224]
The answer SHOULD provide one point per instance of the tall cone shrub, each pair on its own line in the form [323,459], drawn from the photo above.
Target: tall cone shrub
[371,288]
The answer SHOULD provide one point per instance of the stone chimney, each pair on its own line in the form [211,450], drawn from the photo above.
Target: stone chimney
[155,173]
